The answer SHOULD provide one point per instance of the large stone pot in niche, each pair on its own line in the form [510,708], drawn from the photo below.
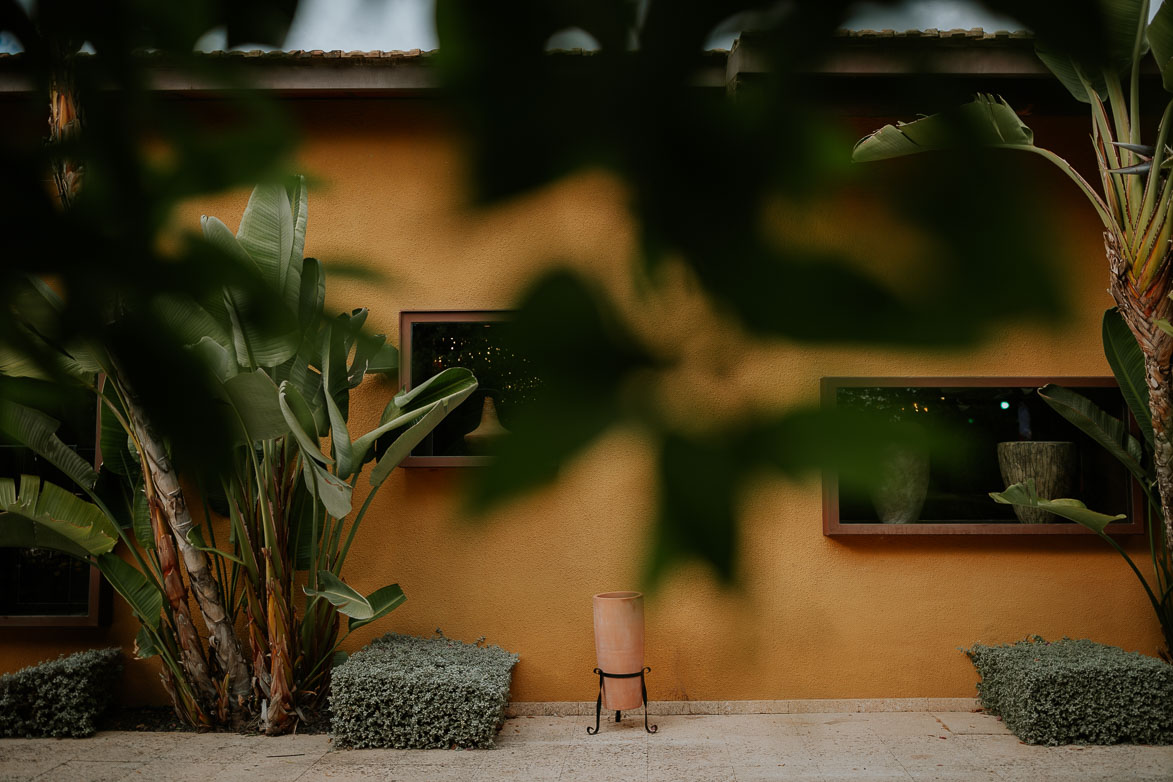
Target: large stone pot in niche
[903,484]
[1051,464]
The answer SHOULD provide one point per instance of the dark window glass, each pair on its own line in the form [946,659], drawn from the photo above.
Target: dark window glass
[969,424]
[42,582]
[503,376]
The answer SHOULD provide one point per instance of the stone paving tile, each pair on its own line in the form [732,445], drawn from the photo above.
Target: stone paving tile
[530,729]
[835,725]
[353,772]
[672,773]
[494,770]
[755,725]
[429,774]
[1096,762]
[22,750]
[904,724]
[971,722]
[16,769]
[739,748]
[265,770]
[177,771]
[90,771]
[338,758]
[781,773]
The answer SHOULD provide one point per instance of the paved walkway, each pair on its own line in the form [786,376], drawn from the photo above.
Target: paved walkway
[742,748]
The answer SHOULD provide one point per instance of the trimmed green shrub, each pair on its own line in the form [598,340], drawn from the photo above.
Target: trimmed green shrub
[62,697]
[421,693]
[1076,692]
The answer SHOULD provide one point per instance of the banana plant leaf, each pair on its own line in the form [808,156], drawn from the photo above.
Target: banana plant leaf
[385,361]
[118,452]
[336,393]
[299,202]
[267,233]
[19,531]
[312,294]
[1127,362]
[361,610]
[1024,494]
[38,432]
[144,644]
[331,491]
[340,595]
[144,598]
[1108,431]
[1121,20]
[367,349]
[1160,35]
[216,357]
[254,344]
[382,601]
[255,403]
[188,320]
[140,519]
[301,422]
[986,121]
[406,442]
[59,511]
[451,386]
[341,447]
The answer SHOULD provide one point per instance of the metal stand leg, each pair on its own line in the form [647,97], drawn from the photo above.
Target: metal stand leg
[643,684]
[598,704]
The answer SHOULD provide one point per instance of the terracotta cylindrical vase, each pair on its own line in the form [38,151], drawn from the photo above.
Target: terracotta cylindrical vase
[1050,464]
[619,646]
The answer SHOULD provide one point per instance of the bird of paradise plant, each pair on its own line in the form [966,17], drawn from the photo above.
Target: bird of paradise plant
[1134,200]
[290,517]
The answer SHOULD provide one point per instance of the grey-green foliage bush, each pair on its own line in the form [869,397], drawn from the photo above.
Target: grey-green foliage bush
[1076,692]
[62,697]
[421,693]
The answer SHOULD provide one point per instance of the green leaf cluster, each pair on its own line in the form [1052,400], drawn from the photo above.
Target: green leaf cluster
[1135,455]
[1076,692]
[61,698]
[401,692]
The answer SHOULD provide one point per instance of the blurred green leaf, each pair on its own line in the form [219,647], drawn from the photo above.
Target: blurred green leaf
[1024,494]
[1127,362]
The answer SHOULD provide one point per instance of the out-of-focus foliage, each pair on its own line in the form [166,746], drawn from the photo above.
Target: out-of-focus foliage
[701,165]
[140,154]
[1134,202]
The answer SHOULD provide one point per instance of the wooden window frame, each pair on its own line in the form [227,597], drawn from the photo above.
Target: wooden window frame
[833,527]
[407,319]
[98,606]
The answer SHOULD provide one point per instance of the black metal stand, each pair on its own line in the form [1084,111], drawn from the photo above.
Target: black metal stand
[618,714]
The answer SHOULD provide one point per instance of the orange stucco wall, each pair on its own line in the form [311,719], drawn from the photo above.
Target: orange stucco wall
[812,616]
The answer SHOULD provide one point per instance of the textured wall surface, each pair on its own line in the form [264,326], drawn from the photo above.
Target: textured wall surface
[811,616]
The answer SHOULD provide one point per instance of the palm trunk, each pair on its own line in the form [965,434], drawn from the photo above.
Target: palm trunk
[191,651]
[173,508]
[64,125]
[167,503]
[1140,309]
[281,713]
